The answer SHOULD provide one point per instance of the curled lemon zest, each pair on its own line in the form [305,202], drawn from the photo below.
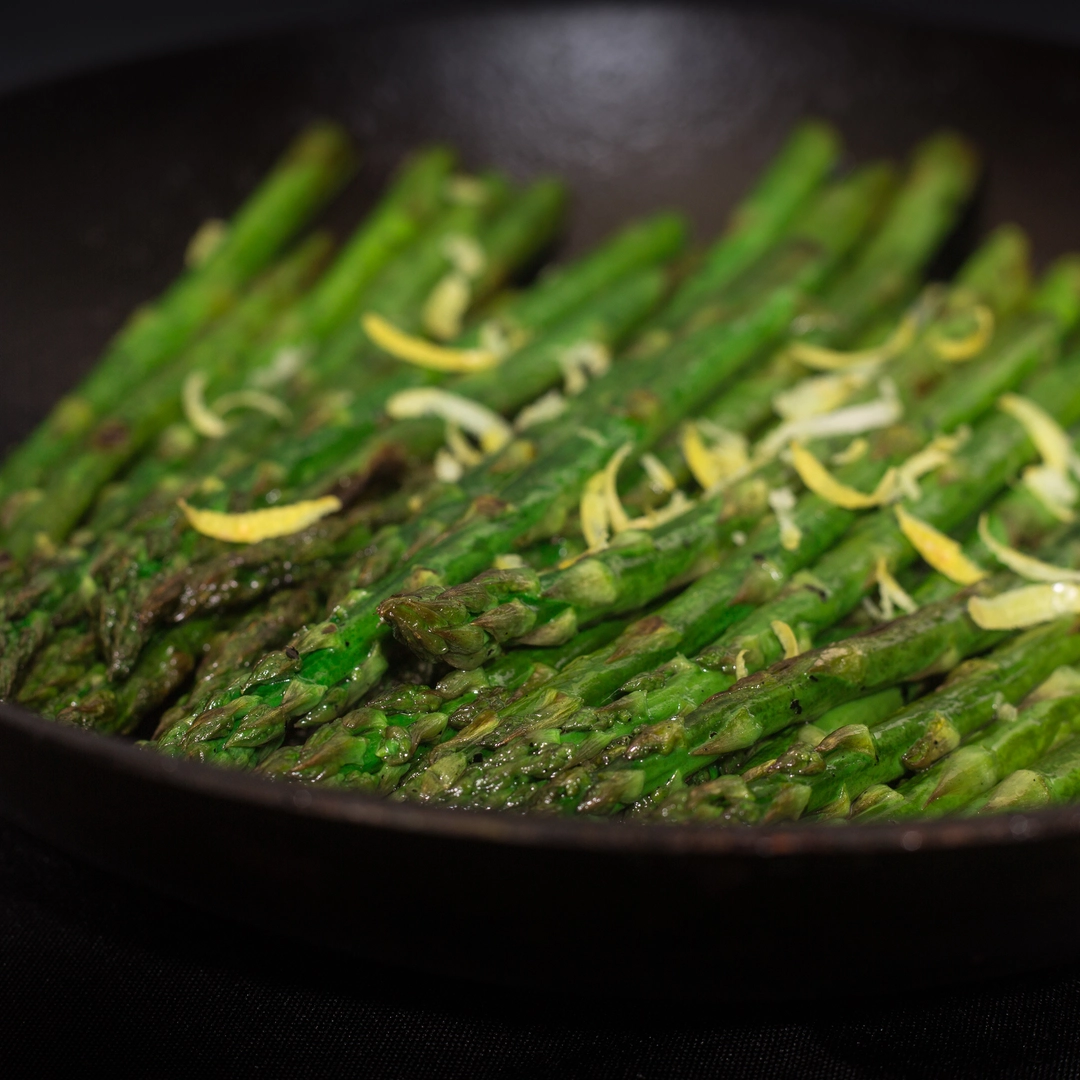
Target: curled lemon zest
[890,592]
[822,482]
[423,353]
[444,310]
[618,518]
[478,420]
[580,362]
[782,503]
[1045,432]
[660,478]
[549,406]
[820,394]
[823,359]
[256,525]
[593,511]
[1027,606]
[447,467]
[462,451]
[198,414]
[854,451]
[740,665]
[938,452]
[786,636]
[1055,490]
[207,238]
[1025,565]
[957,350]
[940,551]
[253,399]
[717,465]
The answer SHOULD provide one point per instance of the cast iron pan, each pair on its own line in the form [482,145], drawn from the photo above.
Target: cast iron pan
[105,178]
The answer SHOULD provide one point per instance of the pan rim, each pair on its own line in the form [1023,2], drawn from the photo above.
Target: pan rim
[613,837]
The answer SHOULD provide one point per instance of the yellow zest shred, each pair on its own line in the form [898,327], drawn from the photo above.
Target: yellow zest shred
[286,363]
[782,503]
[823,359]
[582,361]
[1025,565]
[465,253]
[1055,490]
[1027,606]
[488,427]
[940,551]
[423,353]
[881,412]
[444,310]
[593,512]
[660,478]
[676,505]
[256,525]
[447,467]
[508,562]
[891,593]
[1045,432]
[549,406]
[253,399]
[198,414]
[205,241]
[716,465]
[820,394]
[786,636]
[939,451]
[854,451]
[500,337]
[460,448]
[740,665]
[821,482]
[617,515]
[957,350]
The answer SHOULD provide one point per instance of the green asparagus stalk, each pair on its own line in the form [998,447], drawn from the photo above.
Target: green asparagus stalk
[721,598]
[913,739]
[605,321]
[312,170]
[230,355]
[283,689]
[1052,780]
[880,280]
[137,419]
[467,624]
[758,221]
[976,767]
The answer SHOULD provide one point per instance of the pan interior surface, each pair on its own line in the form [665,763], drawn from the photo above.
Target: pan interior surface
[638,108]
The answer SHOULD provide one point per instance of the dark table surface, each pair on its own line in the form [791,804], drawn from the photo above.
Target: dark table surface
[95,970]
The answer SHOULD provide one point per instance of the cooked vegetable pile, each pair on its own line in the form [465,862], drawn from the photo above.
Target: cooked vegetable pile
[766,531]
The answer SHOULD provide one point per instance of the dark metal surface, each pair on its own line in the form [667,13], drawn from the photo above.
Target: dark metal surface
[105,179]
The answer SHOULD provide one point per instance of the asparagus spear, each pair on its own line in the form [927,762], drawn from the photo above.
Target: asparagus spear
[912,739]
[227,357]
[1053,779]
[467,624]
[530,506]
[884,272]
[720,599]
[123,577]
[757,222]
[311,171]
[607,319]
[977,766]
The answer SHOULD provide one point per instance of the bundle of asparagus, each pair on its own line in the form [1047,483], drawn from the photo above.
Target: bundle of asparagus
[625,537]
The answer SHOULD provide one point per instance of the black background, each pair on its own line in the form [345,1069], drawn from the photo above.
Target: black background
[95,973]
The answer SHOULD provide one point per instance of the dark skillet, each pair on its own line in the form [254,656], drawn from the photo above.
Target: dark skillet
[104,179]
